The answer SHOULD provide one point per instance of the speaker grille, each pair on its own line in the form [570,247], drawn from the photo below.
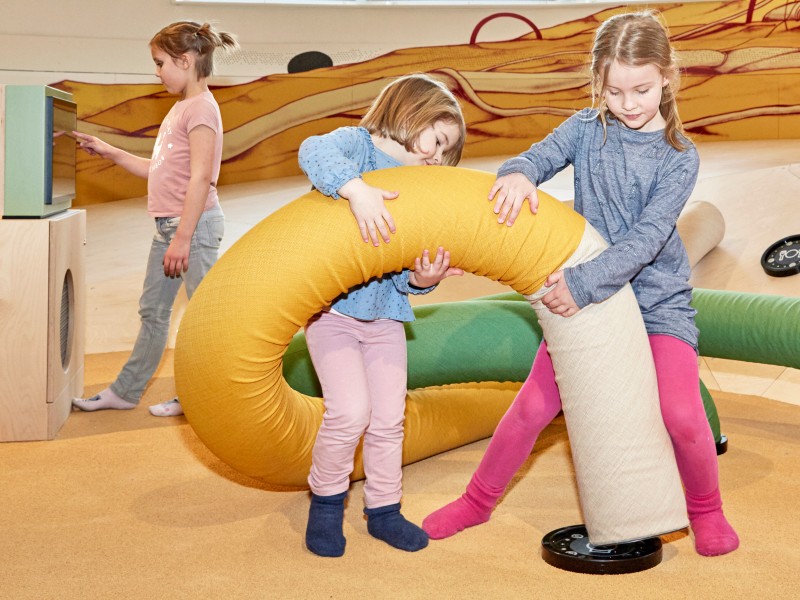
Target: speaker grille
[65,320]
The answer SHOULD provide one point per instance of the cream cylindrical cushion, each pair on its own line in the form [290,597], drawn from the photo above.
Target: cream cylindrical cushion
[624,463]
[701,227]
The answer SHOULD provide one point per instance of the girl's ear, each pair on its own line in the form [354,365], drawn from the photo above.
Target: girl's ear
[185,61]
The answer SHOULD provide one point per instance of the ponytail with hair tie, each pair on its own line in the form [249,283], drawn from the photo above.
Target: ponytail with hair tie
[181,37]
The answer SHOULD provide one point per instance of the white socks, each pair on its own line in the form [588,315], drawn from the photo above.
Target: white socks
[170,408]
[103,401]
[109,400]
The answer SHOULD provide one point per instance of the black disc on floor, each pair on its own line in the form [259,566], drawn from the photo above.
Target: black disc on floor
[568,548]
[783,257]
[722,445]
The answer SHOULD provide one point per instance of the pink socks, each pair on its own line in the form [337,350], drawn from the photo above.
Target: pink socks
[536,404]
[695,453]
[713,535]
[472,508]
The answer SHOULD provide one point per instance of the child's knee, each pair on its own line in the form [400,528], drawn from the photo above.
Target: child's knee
[687,431]
[533,414]
[155,315]
[350,426]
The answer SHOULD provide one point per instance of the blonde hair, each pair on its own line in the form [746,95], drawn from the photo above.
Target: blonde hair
[637,39]
[182,37]
[409,105]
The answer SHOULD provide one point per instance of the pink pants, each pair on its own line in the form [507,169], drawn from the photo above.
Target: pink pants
[538,402]
[362,366]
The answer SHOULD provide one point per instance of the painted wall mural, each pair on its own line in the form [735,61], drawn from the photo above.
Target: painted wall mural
[741,80]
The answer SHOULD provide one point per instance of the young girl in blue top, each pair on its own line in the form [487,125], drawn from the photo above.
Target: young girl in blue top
[634,171]
[358,345]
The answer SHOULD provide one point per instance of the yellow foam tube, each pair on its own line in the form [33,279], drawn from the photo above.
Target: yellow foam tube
[228,354]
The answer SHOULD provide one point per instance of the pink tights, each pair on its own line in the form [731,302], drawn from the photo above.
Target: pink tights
[538,402]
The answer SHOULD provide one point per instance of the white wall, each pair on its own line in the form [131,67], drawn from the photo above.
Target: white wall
[105,41]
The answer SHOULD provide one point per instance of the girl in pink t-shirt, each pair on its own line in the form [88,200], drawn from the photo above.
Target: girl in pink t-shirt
[181,197]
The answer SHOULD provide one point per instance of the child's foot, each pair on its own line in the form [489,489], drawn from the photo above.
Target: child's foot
[324,535]
[105,400]
[713,535]
[455,517]
[170,408]
[387,524]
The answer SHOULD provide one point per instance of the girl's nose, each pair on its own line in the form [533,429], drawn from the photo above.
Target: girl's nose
[628,102]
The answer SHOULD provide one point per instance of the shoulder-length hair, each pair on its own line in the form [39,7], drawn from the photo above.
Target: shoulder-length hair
[409,105]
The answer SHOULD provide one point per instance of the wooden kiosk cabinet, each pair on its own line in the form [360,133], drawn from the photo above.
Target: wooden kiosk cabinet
[42,314]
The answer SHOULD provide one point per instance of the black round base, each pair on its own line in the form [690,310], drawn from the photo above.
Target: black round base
[569,549]
[722,445]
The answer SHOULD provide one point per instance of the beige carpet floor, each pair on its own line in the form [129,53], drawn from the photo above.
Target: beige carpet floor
[125,505]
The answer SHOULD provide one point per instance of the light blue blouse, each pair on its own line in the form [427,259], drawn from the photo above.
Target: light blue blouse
[330,161]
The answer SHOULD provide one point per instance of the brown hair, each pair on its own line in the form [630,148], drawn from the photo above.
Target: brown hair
[182,37]
[637,39]
[410,104]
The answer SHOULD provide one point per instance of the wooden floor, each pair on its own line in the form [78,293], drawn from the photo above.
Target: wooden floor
[755,185]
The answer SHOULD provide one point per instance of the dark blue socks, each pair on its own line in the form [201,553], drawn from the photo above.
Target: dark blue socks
[387,524]
[324,535]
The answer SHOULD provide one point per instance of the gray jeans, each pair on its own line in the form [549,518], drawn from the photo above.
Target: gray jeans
[158,295]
